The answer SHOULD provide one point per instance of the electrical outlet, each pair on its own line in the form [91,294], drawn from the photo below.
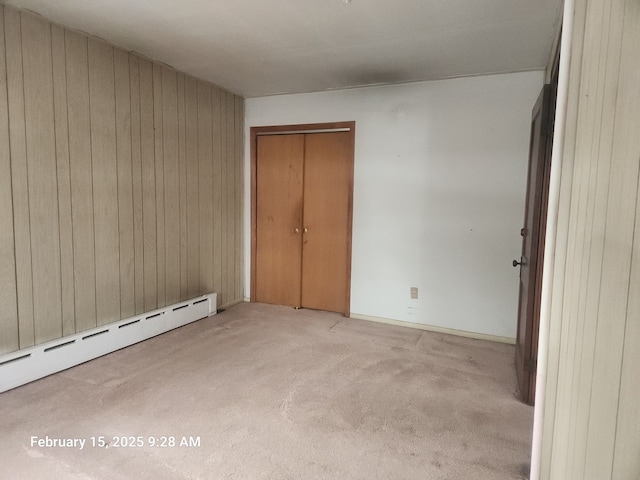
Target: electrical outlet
[414,293]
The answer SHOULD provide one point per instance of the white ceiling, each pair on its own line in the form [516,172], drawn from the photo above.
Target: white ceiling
[266,47]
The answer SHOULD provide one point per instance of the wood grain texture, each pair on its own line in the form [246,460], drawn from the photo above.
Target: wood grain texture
[9,340]
[64,179]
[259,145]
[193,197]
[218,156]
[325,260]
[575,241]
[557,328]
[592,425]
[619,134]
[136,176]
[532,243]
[158,127]
[105,180]
[231,241]
[182,166]
[125,182]
[205,152]
[112,190]
[568,349]
[19,176]
[239,199]
[593,191]
[147,147]
[590,186]
[42,168]
[626,462]
[84,275]
[170,149]
[279,214]
[224,208]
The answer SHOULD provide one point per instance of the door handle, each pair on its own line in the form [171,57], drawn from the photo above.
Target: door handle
[305,230]
[296,230]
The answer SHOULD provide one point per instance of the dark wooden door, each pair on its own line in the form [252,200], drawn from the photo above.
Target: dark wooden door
[531,259]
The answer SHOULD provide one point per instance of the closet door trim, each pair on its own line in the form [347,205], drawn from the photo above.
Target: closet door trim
[301,132]
[255,132]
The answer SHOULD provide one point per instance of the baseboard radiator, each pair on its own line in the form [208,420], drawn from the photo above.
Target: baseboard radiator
[24,366]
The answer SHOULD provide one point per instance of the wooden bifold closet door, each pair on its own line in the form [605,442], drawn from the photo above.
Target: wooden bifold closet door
[303,220]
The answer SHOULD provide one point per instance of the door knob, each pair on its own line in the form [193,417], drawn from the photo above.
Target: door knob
[516,263]
[305,230]
[296,230]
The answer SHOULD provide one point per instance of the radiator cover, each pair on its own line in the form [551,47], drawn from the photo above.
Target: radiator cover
[24,366]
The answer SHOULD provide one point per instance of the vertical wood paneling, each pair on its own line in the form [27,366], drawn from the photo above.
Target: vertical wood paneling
[125,182]
[239,158]
[579,246]
[147,141]
[597,186]
[120,184]
[64,179]
[170,150]
[42,168]
[553,447]
[182,162]
[231,194]
[105,180]
[592,430]
[193,196]
[9,340]
[136,175]
[84,275]
[216,134]
[583,323]
[224,209]
[205,186]
[19,176]
[160,200]
[626,462]
[624,157]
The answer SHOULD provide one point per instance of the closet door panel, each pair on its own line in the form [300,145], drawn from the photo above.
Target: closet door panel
[278,215]
[325,259]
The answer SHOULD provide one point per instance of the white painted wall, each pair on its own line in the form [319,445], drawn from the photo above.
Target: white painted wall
[440,178]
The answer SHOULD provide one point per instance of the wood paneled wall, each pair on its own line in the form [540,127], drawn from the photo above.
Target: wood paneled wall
[591,415]
[120,184]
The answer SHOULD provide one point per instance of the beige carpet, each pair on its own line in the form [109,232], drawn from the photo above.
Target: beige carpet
[275,393]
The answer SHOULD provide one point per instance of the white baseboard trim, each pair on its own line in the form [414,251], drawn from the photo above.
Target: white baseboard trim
[247,299]
[29,364]
[433,328]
